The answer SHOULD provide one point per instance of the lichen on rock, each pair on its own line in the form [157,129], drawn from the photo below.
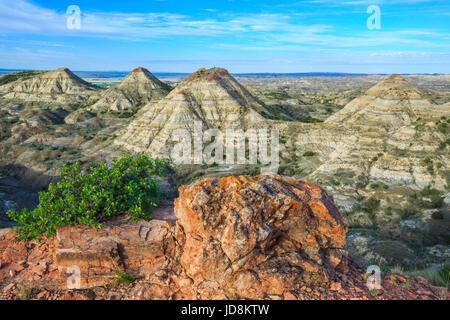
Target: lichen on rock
[259,235]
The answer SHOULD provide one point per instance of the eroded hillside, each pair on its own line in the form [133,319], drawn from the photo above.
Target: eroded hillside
[378,145]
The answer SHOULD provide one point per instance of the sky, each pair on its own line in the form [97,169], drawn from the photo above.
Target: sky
[244,36]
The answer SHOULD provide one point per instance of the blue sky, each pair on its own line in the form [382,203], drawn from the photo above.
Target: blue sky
[240,35]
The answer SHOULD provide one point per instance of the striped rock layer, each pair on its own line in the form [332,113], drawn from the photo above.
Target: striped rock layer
[212,97]
[136,89]
[60,85]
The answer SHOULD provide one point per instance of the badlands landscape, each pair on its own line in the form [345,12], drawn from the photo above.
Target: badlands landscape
[363,180]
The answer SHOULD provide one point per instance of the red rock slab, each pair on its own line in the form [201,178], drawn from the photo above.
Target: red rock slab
[139,249]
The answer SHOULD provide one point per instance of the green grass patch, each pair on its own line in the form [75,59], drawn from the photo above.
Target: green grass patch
[124,278]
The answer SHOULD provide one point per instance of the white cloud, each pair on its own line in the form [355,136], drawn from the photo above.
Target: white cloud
[371,2]
[260,31]
[33,43]
[22,17]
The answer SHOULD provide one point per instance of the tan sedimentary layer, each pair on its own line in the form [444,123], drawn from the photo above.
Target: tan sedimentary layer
[387,133]
[60,85]
[218,101]
[136,89]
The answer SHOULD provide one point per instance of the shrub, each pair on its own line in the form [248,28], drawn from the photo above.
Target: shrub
[429,191]
[93,197]
[311,120]
[362,181]
[437,215]
[436,276]
[361,185]
[443,144]
[372,204]
[388,211]
[406,213]
[309,154]
[442,128]
[357,207]
[372,216]
[335,182]
[436,201]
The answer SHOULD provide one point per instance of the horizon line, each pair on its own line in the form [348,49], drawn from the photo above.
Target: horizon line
[238,73]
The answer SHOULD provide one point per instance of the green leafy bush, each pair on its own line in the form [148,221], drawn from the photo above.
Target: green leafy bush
[92,197]
[436,201]
[357,207]
[372,204]
[335,182]
[388,211]
[406,213]
[443,144]
[309,154]
[433,198]
[437,215]
[429,191]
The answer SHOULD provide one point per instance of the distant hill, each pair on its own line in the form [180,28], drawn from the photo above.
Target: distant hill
[52,82]
[138,88]
[22,75]
[60,85]
[392,103]
[122,74]
[212,97]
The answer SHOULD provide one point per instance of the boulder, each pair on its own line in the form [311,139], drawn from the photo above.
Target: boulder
[263,237]
[258,236]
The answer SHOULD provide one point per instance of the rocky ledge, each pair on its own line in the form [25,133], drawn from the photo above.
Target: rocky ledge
[208,75]
[264,237]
